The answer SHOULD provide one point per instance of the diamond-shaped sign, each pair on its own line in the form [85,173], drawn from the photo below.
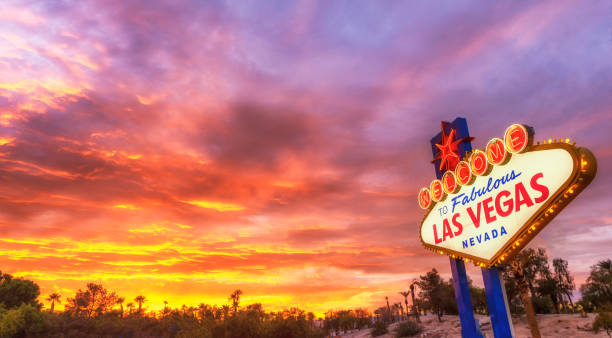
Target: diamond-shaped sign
[493,216]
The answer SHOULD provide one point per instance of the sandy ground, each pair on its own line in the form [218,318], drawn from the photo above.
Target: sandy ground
[564,326]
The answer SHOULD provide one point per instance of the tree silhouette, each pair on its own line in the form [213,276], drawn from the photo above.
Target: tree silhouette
[415,309]
[235,298]
[565,281]
[521,269]
[130,306]
[225,310]
[17,291]
[405,294]
[598,287]
[54,297]
[92,302]
[120,301]
[605,265]
[140,299]
[432,292]
[388,307]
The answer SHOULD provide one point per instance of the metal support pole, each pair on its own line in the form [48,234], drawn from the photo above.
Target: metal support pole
[501,321]
[469,328]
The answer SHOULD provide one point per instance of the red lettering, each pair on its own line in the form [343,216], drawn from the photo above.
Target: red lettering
[539,187]
[517,138]
[450,184]
[425,198]
[509,204]
[478,162]
[437,240]
[487,210]
[475,219]
[436,190]
[522,197]
[496,153]
[457,225]
[463,173]
[446,230]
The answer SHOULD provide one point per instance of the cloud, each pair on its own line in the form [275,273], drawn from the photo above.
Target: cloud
[275,148]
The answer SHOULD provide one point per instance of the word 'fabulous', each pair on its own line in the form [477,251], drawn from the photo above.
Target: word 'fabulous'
[489,209]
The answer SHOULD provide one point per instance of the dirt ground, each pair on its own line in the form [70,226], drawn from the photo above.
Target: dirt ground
[563,326]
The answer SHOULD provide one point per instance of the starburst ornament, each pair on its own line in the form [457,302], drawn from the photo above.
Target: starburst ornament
[448,149]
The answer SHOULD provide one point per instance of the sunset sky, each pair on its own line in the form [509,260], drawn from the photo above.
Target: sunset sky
[182,150]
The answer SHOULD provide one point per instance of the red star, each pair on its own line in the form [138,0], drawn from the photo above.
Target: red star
[448,154]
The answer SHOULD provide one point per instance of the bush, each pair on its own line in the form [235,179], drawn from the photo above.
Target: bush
[379,329]
[603,321]
[408,328]
[26,320]
[17,291]
[542,305]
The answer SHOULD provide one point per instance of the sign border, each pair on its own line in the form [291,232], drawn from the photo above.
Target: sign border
[583,172]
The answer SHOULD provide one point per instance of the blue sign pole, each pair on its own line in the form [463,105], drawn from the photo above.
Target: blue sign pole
[501,321]
[497,301]
[469,327]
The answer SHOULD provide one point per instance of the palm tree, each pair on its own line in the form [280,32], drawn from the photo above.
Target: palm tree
[54,297]
[415,310]
[405,294]
[388,307]
[235,298]
[130,306]
[120,301]
[396,310]
[140,299]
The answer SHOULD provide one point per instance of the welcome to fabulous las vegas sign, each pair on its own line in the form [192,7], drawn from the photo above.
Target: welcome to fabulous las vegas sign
[496,200]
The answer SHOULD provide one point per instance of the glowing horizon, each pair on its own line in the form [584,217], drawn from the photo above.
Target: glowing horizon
[185,150]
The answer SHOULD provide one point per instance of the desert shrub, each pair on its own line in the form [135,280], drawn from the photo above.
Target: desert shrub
[542,305]
[603,321]
[380,328]
[24,321]
[408,328]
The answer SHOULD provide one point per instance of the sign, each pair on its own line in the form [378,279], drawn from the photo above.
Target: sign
[488,205]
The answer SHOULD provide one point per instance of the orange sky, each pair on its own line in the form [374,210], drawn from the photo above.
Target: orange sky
[183,151]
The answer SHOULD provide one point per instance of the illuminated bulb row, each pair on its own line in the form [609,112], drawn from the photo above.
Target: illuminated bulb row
[517,139]
[534,226]
[550,141]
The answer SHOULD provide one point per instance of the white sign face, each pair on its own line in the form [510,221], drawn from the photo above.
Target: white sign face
[482,219]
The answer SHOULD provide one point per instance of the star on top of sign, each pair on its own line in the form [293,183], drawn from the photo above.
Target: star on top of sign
[448,154]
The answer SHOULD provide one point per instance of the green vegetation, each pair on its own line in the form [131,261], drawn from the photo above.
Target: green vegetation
[550,290]
[408,329]
[92,313]
[17,291]
[97,312]
[603,321]
[380,328]
[597,291]
[26,320]
[436,295]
